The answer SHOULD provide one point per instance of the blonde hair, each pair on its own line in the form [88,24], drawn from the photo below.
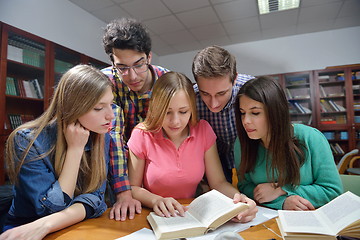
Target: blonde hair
[78,91]
[164,89]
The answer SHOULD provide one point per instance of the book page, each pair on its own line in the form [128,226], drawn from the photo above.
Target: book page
[210,206]
[341,212]
[303,221]
[328,219]
[143,233]
[171,224]
[263,215]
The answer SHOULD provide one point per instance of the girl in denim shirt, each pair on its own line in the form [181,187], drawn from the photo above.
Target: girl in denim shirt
[58,162]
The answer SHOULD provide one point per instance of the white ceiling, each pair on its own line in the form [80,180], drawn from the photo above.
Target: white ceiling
[185,25]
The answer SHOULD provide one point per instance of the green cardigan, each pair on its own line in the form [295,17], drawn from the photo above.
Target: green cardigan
[319,182]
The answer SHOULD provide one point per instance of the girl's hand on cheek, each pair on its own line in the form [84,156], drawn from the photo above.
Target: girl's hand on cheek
[76,135]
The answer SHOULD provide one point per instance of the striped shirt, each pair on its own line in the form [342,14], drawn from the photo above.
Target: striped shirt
[133,110]
[223,122]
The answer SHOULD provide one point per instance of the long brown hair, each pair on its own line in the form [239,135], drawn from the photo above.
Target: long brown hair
[164,89]
[78,91]
[285,153]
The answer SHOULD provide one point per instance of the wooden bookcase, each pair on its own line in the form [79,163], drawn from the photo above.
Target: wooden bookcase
[299,90]
[331,98]
[25,57]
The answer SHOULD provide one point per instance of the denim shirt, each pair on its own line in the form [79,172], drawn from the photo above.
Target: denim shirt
[38,192]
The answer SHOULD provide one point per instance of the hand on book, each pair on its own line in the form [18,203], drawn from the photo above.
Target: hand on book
[267,192]
[247,215]
[168,207]
[125,204]
[295,202]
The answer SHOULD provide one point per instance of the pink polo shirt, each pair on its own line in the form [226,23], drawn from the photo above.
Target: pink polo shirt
[171,172]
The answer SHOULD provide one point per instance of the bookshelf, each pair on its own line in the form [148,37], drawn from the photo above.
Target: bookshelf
[298,88]
[329,100]
[332,101]
[30,67]
[354,74]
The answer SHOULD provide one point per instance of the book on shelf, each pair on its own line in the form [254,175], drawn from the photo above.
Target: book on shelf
[357,74]
[10,87]
[294,81]
[21,87]
[15,53]
[339,217]
[310,120]
[37,88]
[206,212]
[288,93]
[322,92]
[299,107]
[307,110]
[329,135]
[26,51]
[340,77]
[326,106]
[328,121]
[340,107]
[16,120]
[339,149]
[333,105]
[304,96]
[324,78]
[338,94]
[32,88]
[340,119]
[333,150]
[344,135]
[29,92]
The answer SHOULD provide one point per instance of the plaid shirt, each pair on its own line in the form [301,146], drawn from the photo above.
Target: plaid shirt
[133,110]
[223,122]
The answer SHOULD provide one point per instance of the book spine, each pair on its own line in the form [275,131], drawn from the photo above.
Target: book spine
[37,88]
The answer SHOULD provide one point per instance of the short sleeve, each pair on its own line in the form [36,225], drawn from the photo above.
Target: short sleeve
[137,144]
[209,136]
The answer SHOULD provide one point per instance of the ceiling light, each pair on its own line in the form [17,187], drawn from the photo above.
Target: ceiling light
[267,6]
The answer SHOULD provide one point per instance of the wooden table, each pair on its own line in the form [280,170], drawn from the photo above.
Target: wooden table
[103,228]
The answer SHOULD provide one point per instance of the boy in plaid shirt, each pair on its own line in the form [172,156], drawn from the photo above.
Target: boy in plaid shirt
[218,83]
[128,45]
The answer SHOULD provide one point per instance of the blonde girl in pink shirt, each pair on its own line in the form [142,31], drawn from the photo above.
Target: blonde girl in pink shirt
[171,150]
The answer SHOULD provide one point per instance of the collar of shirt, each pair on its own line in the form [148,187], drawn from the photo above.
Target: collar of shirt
[160,135]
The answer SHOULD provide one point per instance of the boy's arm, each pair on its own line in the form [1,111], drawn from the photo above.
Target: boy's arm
[118,171]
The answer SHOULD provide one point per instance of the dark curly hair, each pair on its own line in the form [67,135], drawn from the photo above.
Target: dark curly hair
[126,33]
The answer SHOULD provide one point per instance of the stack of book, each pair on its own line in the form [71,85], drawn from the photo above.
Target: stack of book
[24,88]
[295,81]
[331,106]
[336,149]
[299,107]
[26,51]
[329,135]
[16,119]
[62,66]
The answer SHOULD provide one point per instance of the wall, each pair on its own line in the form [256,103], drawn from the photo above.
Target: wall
[59,21]
[287,54]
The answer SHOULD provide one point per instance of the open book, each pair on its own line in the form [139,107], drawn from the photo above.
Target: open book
[206,212]
[341,216]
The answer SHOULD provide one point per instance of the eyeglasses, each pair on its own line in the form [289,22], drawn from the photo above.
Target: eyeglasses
[140,68]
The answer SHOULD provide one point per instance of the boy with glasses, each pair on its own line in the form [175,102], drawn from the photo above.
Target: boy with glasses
[128,45]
